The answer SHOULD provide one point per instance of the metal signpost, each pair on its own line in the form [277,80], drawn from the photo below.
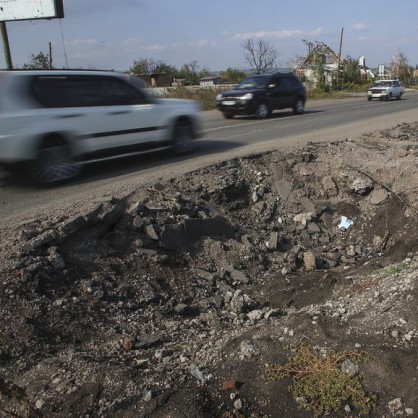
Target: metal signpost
[12,10]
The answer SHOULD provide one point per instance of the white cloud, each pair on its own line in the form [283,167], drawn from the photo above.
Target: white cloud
[201,43]
[132,42]
[359,27]
[156,47]
[283,34]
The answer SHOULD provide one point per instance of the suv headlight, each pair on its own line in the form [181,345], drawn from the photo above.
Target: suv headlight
[219,96]
[247,96]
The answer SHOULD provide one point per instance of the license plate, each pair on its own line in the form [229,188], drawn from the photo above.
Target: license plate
[229,102]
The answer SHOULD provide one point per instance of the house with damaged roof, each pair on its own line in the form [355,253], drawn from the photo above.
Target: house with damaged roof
[322,56]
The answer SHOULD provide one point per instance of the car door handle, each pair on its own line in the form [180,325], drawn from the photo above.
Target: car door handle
[70,115]
[120,112]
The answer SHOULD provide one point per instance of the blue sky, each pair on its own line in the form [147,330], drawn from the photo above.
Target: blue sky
[112,34]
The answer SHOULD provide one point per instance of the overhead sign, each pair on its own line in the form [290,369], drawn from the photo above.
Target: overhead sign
[30,9]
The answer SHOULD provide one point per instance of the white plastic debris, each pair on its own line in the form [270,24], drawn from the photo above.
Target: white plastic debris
[345,223]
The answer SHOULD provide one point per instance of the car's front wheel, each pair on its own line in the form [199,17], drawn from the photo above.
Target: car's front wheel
[228,116]
[262,111]
[183,139]
[299,106]
[54,163]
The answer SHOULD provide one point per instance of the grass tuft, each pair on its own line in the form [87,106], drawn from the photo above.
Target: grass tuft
[319,384]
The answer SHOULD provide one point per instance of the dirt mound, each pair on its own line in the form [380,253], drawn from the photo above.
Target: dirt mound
[171,302]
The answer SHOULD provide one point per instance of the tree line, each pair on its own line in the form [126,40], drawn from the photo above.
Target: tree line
[261,56]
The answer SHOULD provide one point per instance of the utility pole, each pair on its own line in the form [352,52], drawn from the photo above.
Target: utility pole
[339,57]
[6,46]
[50,55]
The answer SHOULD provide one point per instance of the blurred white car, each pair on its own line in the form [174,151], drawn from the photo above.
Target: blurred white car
[385,90]
[53,121]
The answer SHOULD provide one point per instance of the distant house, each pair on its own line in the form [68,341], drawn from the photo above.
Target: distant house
[365,72]
[330,60]
[209,81]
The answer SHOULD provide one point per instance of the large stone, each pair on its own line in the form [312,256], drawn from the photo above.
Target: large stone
[309,261]
[329,185]
[378,196]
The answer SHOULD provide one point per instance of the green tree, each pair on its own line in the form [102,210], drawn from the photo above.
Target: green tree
[232,75]
[318,69]
[351,72]
[148,66]
[39,62]
[190,71]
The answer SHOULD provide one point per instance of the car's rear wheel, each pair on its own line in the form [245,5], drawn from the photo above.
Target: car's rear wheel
[183,138]
[299,106]
[262,111]
[55,163]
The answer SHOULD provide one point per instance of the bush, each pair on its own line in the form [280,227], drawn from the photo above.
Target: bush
[205,96]
[320,384]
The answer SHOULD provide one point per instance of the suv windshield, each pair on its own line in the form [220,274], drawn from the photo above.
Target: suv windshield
[255,82]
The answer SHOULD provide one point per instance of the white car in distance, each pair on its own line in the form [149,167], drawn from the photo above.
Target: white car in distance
[385,90]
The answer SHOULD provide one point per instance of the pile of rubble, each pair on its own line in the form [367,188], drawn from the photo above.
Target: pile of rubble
[131,307]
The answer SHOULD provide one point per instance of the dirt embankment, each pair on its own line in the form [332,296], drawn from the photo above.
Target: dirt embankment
[173,301]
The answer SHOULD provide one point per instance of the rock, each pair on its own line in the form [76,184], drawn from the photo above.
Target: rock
[349,368]
[309,261]
[256,315]
[249,349]
[138,222]
[72,225]
[313,228]
[361,186]
[147,396]
[127,344]
[329,185]
[150,231]
[200,373]
[395,405]
[378,196]
[304,217]
[238,404]
[273,241]
[239,276]
[237,302]
[56,261]
[148,340]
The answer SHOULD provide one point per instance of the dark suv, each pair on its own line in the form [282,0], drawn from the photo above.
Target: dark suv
[260,94]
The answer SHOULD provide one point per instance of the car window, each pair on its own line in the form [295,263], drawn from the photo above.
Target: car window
[255,82]
[83,91]
[275,82]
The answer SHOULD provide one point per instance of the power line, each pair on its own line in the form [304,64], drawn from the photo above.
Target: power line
[63,45]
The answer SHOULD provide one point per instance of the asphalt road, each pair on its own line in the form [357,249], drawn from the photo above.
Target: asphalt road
[323,120]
